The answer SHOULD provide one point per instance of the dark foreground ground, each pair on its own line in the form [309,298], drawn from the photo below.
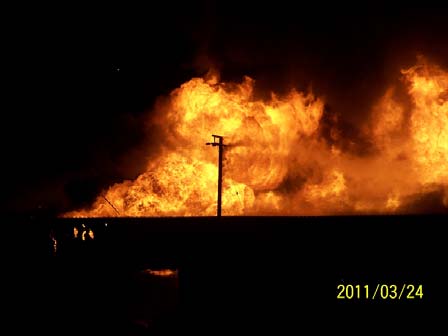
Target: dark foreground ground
[249,275]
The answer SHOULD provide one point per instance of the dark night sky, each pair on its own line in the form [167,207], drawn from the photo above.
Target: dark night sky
[80,81]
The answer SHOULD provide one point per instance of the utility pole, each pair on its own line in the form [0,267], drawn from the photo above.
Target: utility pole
[218,141]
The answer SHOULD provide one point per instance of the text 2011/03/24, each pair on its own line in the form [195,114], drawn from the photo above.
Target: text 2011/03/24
[380,291]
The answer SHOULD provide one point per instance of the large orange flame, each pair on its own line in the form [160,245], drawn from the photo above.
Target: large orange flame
[278,162]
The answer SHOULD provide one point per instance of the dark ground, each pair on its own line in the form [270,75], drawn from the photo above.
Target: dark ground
[238,274]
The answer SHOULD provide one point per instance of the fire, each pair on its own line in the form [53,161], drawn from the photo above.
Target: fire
[333,186]
[277,159]
[429,121]
[165,273]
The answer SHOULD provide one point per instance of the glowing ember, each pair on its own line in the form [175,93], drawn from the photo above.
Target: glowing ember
[164,273]
[279,162]
[85,233]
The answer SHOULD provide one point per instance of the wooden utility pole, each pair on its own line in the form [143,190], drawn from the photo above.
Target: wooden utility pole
[218,141]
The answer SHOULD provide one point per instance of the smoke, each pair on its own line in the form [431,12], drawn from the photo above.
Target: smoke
[347,53]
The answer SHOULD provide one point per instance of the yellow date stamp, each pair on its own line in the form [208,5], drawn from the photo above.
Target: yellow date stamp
[380,291]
